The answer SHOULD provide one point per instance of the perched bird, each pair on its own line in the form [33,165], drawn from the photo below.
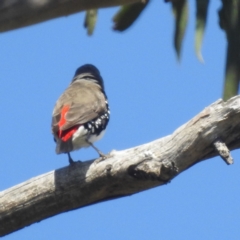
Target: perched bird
[81,114]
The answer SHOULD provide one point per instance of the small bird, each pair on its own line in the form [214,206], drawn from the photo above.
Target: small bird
[81,113]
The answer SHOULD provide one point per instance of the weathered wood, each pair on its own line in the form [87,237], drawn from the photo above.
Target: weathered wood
[223,151]
[124,172]
[20,13]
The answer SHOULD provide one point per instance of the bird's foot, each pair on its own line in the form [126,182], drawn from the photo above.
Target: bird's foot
[71,162]
[102,157]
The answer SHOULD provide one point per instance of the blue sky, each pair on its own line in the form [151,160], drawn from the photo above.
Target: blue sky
[150,95]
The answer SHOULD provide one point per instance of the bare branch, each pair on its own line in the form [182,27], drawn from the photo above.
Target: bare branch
[20,13]
[223,151]
[124,172]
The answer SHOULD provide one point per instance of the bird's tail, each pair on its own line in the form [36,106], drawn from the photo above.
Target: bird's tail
[64,147]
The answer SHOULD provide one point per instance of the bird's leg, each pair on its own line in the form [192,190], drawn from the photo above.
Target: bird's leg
[71,162]
[102,155]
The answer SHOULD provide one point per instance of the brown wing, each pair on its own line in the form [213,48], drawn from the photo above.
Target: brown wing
[81,102]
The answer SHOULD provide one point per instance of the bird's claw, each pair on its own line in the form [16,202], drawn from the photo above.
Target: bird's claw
[102,157]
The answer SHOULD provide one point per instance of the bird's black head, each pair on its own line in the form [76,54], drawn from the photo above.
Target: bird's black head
[87,68]
[88,72]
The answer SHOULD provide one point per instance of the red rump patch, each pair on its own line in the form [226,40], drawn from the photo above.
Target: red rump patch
[65,134]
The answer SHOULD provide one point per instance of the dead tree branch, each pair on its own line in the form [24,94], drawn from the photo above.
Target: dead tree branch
[21,13]
[213,131]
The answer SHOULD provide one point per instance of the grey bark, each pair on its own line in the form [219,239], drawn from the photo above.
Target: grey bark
[213,131]
[20,13]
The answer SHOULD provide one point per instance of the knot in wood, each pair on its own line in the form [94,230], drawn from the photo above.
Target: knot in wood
[153,170]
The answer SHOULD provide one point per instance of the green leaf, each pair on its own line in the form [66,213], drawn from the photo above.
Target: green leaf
[229,16]
[127,14]
[180,10]
[231,84]
[90,20]
[201,18]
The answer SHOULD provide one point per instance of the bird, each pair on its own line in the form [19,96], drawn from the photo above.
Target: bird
[81,114]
